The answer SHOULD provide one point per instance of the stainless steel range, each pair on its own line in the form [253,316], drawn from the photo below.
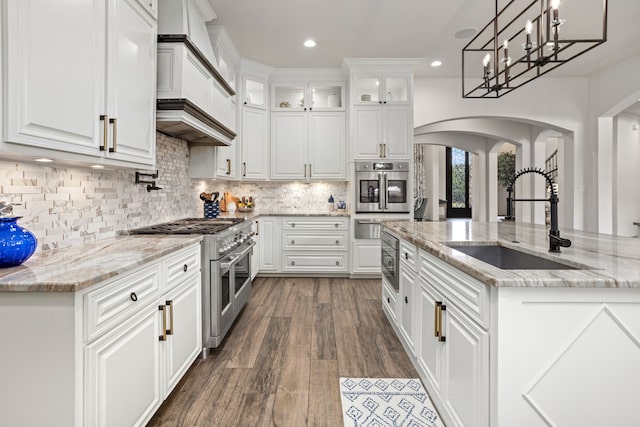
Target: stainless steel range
[226,269]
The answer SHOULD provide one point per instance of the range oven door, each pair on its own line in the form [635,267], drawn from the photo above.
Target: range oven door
[235,284]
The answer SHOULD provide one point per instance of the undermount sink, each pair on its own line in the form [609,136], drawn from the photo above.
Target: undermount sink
[509,259]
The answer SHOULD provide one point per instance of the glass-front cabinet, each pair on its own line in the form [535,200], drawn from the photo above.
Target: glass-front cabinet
[381,89]
[255,92]
[307,97]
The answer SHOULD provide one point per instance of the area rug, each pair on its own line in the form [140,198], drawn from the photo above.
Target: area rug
[386,402]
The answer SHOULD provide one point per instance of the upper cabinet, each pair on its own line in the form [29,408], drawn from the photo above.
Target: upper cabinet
[307,97]
[80,81]
[382,110]
[255,92]
[308,128]
[381,89]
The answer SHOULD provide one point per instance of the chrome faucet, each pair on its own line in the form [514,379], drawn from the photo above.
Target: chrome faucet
[555,241]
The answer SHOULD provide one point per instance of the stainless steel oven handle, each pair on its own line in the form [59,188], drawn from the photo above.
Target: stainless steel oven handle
[386,191]
[237,257]
[380,192]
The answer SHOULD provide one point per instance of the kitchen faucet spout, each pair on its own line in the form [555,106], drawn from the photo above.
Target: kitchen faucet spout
[555,241]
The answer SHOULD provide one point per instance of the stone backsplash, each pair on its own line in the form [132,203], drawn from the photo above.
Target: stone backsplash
[274,196]
[66,206]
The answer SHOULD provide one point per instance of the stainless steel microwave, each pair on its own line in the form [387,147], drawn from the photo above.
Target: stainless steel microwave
[382,187]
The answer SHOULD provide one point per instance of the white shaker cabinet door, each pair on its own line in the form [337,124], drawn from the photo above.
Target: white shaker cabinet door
[122,378]
[184,343]
[255,144]
[466,370]
[55,66]
[131,82]
[289,140]
[397,132]
[327,145]
[367,132]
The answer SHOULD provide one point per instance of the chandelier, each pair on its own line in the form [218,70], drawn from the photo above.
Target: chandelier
[526,40]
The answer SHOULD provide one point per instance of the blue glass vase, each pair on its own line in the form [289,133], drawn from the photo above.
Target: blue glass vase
[16,243]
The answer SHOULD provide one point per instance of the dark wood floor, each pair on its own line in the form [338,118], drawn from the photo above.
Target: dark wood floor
[281,362]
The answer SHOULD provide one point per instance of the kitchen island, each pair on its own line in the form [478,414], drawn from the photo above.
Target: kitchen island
[100,333]
[521,347]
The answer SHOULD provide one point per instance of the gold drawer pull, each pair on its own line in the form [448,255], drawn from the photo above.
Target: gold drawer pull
[170,330]
[163,337]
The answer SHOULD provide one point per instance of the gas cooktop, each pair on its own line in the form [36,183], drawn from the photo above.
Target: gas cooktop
[189,226]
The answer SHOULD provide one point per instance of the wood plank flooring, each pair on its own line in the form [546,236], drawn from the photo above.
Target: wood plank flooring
[281,362]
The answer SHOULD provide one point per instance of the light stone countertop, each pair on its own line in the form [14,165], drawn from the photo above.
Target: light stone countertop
[257,213]
[608,261]
[77,267]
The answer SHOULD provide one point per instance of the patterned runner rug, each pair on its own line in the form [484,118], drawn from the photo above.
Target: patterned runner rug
[382,402]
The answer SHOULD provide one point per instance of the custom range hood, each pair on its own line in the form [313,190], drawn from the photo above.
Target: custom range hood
[195,102]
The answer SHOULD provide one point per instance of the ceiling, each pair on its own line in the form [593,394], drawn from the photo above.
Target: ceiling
[272,32]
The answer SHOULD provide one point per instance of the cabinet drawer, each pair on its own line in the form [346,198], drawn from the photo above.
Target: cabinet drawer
[315,262]
[110,304]
[182,265]
[326,241]
[408,254]
[470,295]
[389,297]
[321,224]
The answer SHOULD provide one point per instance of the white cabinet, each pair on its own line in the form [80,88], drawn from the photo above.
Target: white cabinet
[365,257]
[122,381]
[254,90]
[382,88]
[101,109]
[453,349]
[315,244]
[255,144]
[184,339]
[389,302]
[407,304]
[133,365]
[269,238]
[227,162]
[382,131]
[307,96]
[308,146]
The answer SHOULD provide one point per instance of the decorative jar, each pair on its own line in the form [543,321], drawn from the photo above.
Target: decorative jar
[17,244]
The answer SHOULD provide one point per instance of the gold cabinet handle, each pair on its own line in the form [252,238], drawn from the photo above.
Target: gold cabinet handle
[380,150]
[114,122]
[441,336]
[305,170]
[244,168]
[162,308]
[257,228]
[105,131]
[384,150]
[436,329]
[228,166]
[170,330]
[309,170]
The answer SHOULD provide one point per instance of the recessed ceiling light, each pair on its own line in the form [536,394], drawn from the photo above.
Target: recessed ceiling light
[466,33]
[309,43]
[436,63]
[43,160]
[97,167]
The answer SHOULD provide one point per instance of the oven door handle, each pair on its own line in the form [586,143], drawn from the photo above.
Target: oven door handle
[237,257]
[380,191]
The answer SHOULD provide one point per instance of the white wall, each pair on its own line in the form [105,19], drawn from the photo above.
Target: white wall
[626,195]
[609,93]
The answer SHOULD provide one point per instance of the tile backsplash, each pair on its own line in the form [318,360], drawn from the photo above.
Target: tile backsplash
[66,206]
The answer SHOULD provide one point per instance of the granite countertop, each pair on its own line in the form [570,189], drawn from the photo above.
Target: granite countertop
[78,267]
[603,261]
[255,214]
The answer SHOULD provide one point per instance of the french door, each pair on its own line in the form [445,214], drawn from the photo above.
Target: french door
[458,179]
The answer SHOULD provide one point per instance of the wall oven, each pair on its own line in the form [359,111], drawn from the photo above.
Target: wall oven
[390,253]
[382,187]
